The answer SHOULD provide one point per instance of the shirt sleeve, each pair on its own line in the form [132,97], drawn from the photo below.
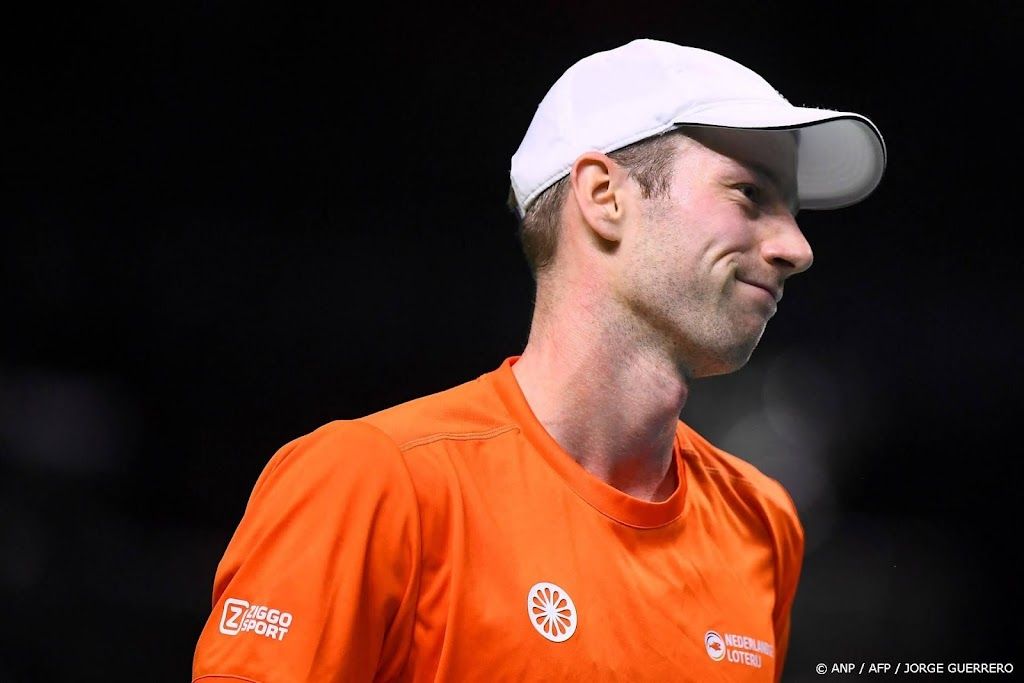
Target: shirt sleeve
[320,580]
[790,555]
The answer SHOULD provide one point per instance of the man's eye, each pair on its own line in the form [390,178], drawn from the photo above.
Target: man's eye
[751,192]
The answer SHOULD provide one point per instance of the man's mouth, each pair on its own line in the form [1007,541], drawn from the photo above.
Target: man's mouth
[774,291]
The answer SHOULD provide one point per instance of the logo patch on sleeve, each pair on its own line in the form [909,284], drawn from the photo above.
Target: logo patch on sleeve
[241,617]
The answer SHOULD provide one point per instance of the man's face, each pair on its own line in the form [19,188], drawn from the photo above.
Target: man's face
[703,267]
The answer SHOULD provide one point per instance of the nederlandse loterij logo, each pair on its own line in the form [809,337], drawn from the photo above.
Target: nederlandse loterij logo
[737,648]
[241,617]
[715,646]
[551,611]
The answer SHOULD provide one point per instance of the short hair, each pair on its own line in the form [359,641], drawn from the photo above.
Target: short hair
[648,162]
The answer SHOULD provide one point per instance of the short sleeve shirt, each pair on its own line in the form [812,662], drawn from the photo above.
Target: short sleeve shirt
[451,538]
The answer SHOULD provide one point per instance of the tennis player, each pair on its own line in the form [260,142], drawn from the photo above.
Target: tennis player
[553,519]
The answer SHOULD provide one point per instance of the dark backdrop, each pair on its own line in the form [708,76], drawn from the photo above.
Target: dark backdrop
[226,224]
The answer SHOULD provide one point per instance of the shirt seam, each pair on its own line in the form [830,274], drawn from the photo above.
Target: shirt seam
[607,515]
[734,477]
[456,436]
[502,429]
[638,527]
[766,522]
[419,530]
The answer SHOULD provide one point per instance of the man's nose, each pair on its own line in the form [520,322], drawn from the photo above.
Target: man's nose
[785,246]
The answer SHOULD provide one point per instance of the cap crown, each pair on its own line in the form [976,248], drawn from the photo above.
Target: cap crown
[614,98]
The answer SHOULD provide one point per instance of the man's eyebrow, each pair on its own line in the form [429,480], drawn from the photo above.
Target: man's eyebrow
[773,178]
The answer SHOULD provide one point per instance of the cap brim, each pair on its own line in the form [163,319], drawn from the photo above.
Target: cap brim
[841,155]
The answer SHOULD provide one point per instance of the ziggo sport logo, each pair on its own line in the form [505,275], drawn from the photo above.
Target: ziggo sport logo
[241,617]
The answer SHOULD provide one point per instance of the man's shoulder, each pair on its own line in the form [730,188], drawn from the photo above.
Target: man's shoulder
[337,442]
[470,408]
[374,449]
[726,469]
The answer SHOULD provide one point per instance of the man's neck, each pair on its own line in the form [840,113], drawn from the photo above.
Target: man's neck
[610,404]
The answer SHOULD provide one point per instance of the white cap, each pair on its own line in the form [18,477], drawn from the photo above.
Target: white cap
[612,99]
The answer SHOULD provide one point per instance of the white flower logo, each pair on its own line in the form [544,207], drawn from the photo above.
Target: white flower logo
[551,611]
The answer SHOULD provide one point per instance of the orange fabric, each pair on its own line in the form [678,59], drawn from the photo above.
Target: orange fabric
[451,538]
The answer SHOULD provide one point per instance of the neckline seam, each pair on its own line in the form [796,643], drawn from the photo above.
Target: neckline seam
[510,394]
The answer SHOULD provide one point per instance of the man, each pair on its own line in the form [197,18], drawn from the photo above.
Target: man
[554,519]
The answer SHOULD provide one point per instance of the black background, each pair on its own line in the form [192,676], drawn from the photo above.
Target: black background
[224,224]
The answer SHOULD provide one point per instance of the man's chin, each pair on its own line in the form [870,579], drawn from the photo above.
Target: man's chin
[717,369]
[724,361]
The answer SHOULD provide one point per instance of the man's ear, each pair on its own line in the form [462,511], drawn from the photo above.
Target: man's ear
[600,188]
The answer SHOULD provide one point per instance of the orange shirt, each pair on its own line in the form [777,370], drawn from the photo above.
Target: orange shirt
[450,538]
